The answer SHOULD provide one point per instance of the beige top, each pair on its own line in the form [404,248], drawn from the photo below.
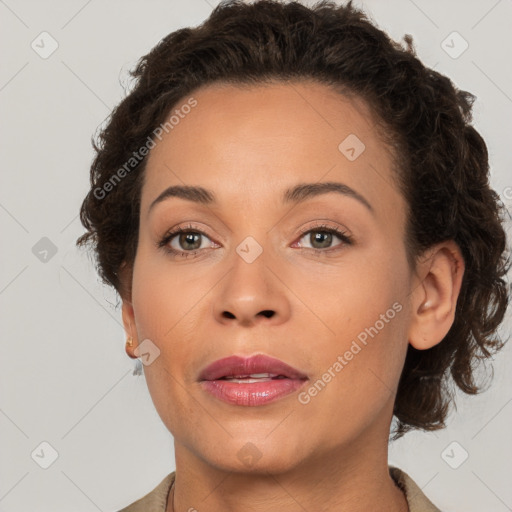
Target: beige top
[156,500]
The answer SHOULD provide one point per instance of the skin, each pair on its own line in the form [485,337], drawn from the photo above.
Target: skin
[248,145]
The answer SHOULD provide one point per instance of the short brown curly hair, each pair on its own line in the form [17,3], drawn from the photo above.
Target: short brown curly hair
[441,161]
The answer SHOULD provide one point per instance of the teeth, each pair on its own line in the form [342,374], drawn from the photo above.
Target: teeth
[252,376]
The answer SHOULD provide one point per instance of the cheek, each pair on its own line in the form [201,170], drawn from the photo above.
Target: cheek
[359,359]
[346,299]
[169,310]
[161,297]
[358,373]
[165,315]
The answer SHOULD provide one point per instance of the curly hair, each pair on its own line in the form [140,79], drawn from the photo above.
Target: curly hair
[441,161]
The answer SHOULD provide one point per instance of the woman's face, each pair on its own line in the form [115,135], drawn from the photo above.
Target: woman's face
[259,272]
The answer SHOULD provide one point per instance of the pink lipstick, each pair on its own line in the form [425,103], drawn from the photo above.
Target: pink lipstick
[251,381]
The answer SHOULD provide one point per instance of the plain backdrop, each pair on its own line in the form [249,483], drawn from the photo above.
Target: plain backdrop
[68,399]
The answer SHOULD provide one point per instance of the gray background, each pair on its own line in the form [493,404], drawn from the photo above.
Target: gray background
[65,378]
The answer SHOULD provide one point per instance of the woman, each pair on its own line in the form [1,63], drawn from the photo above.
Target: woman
[297,216]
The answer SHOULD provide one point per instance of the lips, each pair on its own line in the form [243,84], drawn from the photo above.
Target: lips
[251,381]
[256,367]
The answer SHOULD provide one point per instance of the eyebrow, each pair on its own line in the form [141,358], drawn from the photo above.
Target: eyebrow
[297,194]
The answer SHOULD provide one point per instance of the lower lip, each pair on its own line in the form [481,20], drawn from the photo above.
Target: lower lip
[252,393]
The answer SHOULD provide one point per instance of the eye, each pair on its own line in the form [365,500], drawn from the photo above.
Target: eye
[322,237]
[183,241]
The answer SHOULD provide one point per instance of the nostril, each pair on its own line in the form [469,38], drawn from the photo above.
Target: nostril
[268,313]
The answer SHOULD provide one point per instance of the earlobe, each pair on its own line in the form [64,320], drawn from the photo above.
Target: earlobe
[434,299]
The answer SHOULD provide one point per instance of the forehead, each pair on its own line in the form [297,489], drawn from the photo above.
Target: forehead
[252,142]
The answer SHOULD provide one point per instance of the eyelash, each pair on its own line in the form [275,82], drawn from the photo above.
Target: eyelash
[322,228]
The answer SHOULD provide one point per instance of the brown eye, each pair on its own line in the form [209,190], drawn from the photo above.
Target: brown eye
[322,238]
[185,241]
[189,240]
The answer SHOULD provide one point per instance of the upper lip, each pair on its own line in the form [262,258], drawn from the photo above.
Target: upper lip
[240,366]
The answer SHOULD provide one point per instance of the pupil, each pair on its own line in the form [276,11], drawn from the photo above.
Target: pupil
[319,235]
[189,238]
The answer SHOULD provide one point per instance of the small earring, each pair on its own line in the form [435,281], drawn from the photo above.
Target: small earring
[425,305]
[129,342]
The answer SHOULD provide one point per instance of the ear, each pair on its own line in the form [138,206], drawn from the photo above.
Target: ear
[435,295]
[129,327]
[127,309]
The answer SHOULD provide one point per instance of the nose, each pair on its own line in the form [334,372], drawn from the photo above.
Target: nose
[267,313]
[251,294]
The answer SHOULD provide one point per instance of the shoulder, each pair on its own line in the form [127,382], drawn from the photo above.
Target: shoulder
[154,501]
[416,499]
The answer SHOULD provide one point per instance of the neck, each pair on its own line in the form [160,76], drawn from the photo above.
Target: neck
[352,478]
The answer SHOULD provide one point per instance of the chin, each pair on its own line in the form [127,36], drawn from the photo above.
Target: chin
[253,455]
